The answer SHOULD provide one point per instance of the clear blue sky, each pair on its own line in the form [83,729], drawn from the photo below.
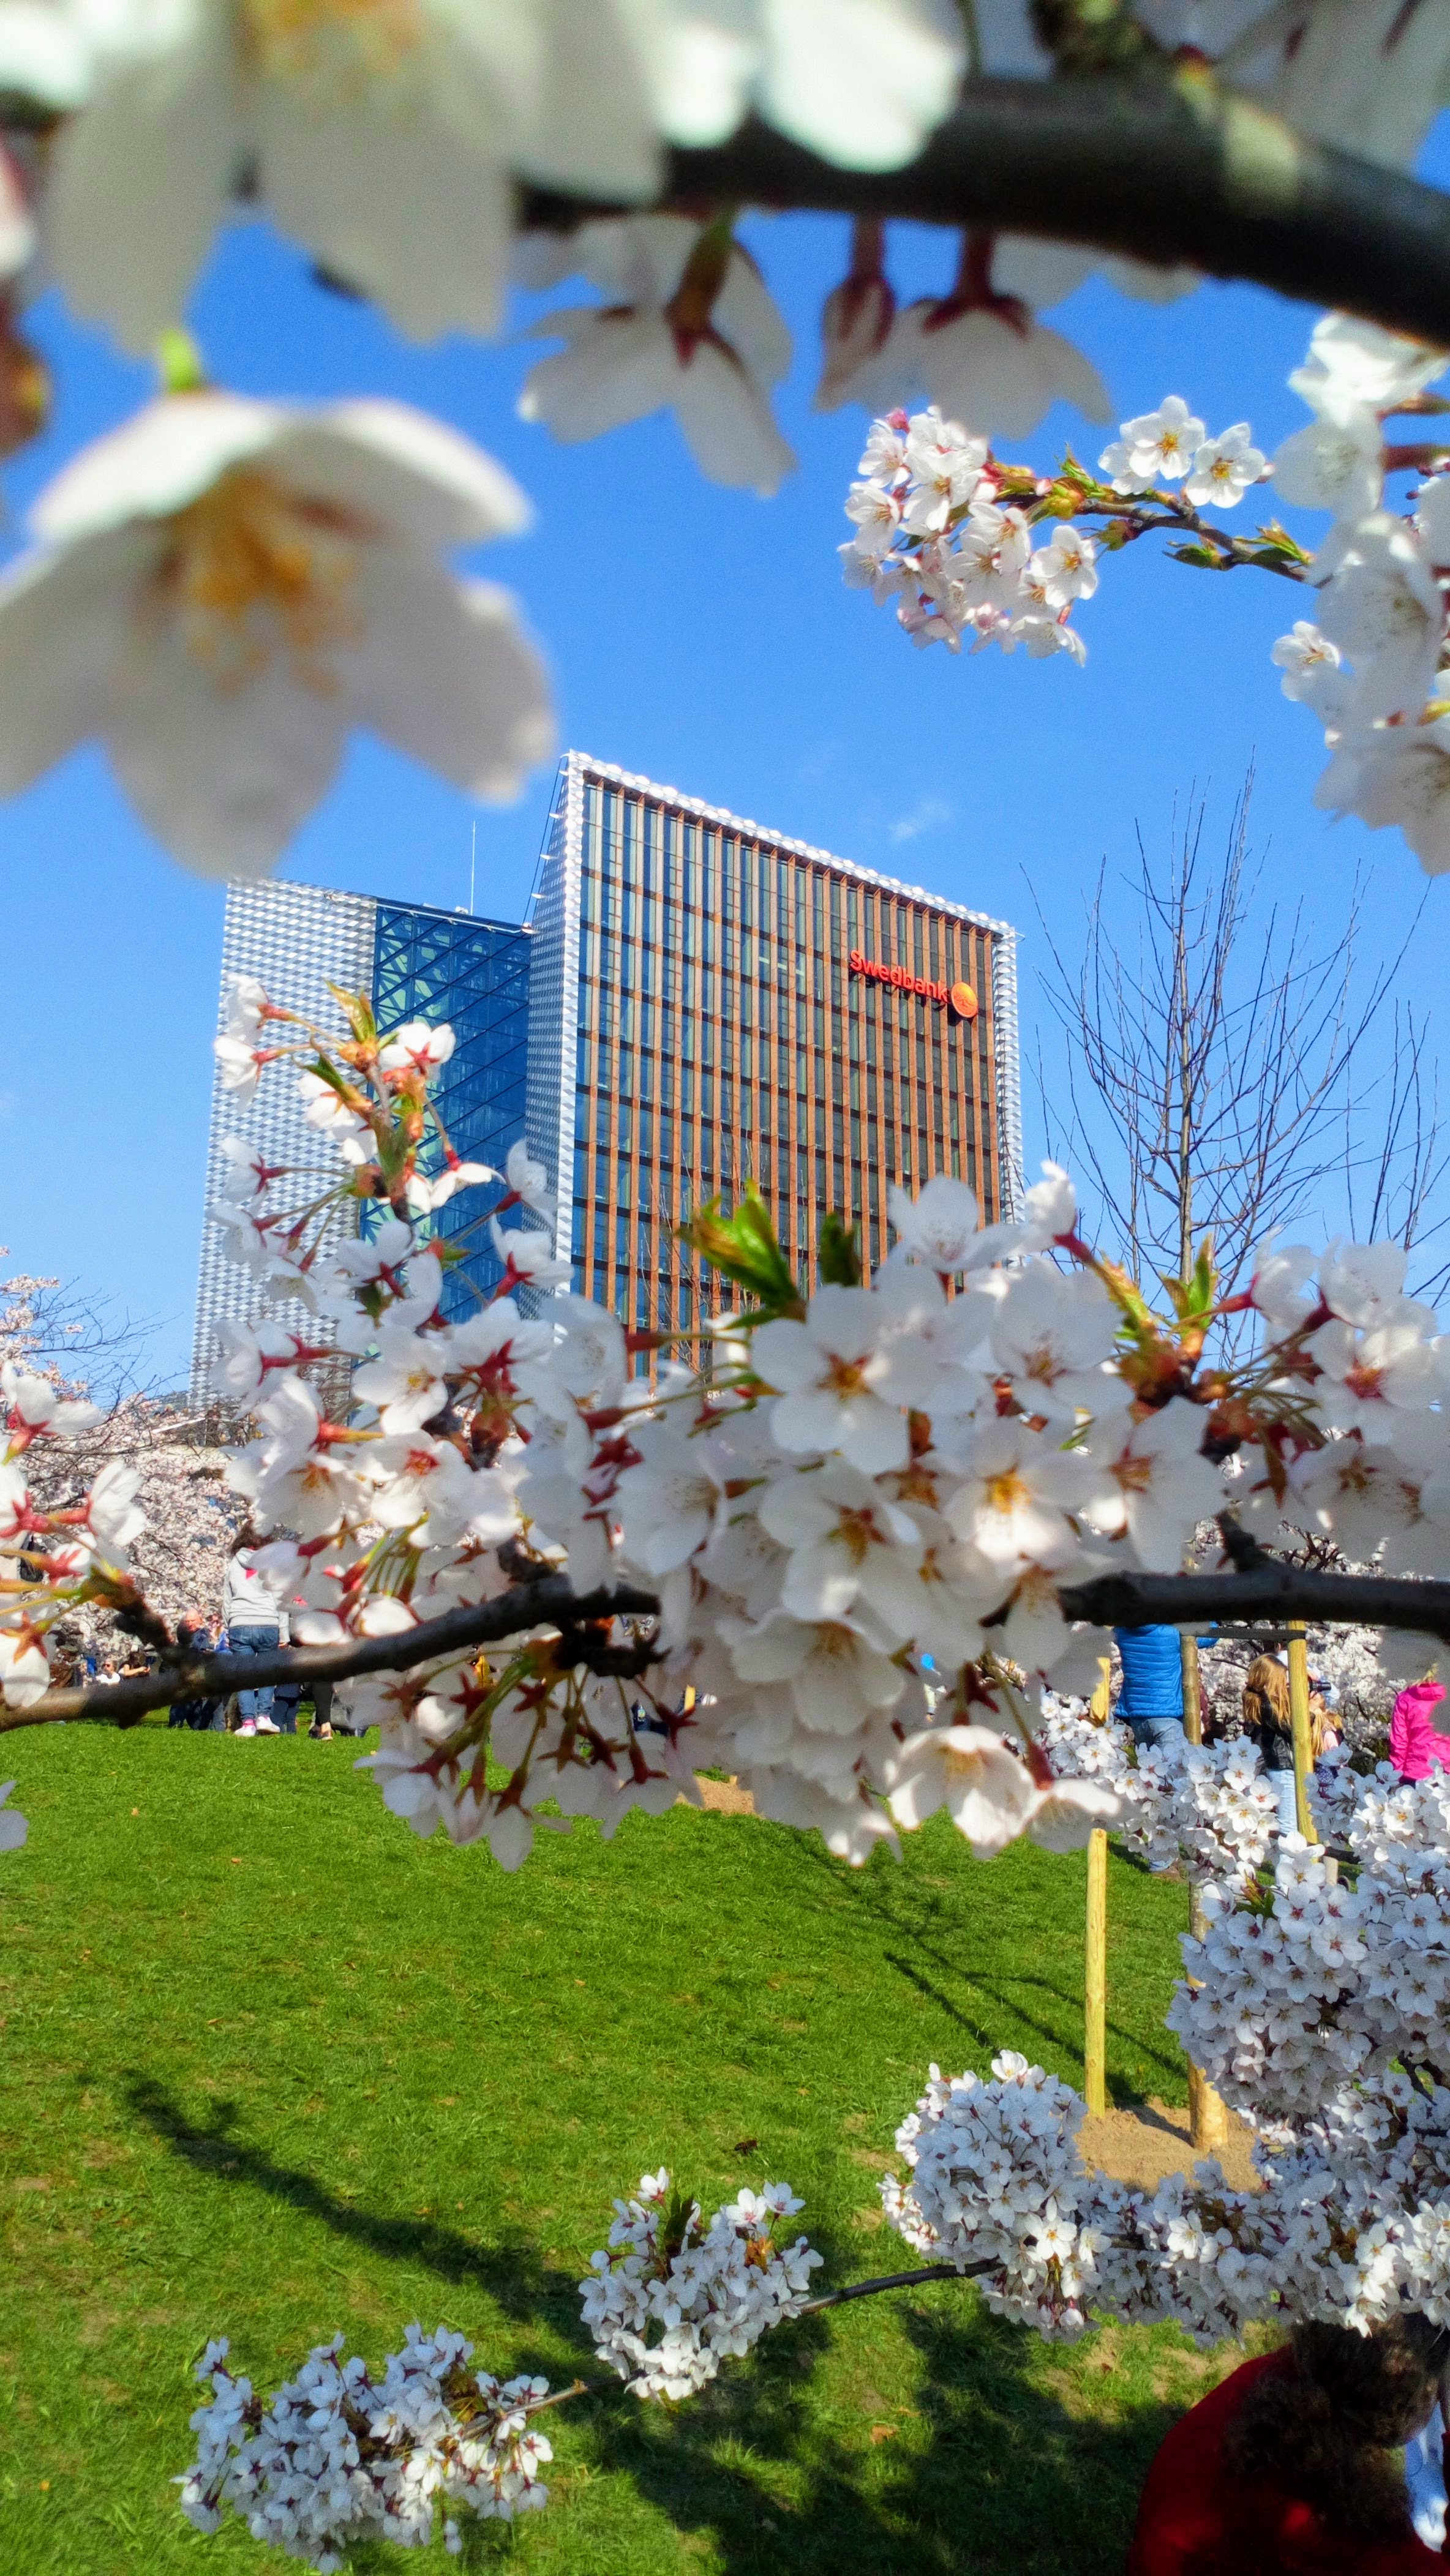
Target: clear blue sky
[700,636]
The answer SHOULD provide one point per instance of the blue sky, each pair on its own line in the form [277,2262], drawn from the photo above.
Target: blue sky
[702,637]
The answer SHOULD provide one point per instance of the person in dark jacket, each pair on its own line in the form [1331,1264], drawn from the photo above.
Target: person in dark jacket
[1291,2467]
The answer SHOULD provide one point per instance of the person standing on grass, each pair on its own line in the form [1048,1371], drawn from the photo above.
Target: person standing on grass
[194,1633]
[1293,2467]
[1151,1702]
[1416,1745]
[252,1628]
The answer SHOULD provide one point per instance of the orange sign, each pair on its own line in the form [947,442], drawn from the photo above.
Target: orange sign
[959,998]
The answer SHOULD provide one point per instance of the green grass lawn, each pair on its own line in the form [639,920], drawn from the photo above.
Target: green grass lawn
[272,2067]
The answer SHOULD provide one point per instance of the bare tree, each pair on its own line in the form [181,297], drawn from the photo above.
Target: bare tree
[1219,1076]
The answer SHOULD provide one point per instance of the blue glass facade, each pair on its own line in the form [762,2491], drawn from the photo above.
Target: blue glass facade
[475,974]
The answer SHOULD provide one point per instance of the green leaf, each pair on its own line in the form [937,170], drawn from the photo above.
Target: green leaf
[743,1247]
[358,1011]
[839,1254]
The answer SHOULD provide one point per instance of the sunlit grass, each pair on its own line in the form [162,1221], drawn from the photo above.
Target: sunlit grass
[272,2067]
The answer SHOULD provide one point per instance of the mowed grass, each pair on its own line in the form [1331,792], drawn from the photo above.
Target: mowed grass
[271,2067]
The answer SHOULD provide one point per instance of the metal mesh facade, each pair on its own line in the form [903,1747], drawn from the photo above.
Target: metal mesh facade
[697,1003]
[475,974]
[295,939]
[730,1019]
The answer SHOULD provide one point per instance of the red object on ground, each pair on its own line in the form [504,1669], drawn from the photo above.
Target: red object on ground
[1197,2519]
[1415,1747]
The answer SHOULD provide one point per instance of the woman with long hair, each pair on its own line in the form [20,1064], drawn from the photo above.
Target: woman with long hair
[1294,2466]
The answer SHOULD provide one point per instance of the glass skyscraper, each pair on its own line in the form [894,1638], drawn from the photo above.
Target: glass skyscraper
[695,1002]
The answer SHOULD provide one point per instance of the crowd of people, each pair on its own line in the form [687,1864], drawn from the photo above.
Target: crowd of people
[249,1623]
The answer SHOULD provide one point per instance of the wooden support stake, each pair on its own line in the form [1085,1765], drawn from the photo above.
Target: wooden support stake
[1095,1979]
[1207,2113]
[1192,1696]
[1300,1722]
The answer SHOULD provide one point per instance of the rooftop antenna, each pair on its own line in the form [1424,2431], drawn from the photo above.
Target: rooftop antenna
[473,868]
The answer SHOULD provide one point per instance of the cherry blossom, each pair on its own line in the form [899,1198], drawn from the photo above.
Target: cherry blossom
[223,588]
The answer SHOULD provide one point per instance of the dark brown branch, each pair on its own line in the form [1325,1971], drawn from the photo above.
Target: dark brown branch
[897,2281]
[1164,171]
[1265,1592]
[552,1602]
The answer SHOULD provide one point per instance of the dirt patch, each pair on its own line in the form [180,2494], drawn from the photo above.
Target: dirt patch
[723,1797]
[1142,2145]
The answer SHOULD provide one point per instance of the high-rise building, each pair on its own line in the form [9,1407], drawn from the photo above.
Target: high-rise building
[694,1003]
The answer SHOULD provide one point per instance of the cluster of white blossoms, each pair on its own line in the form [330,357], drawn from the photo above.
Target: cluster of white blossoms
[855,1519]
[946,530]
[1207,1808]
[337,2457]
[222,590]
[670,2299]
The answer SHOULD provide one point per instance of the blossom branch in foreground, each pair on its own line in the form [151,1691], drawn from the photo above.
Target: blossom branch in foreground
[552,1601]
[1180,171]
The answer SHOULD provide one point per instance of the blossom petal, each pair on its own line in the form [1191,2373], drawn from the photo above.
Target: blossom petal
[63,619]
[141,180]
[405,469]
[224,776]
[447,674]
[416,215]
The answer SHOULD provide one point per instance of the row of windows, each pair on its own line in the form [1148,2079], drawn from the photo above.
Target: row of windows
[666,1197]
[727,989]
[637,855]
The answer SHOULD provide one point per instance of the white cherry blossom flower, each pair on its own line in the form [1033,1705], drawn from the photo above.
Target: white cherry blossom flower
[945,465]
[1007,1504]
[1067,567]
[862,83]
[1396,774]
[1224,468]
[1334,463]
[384,142]
[940,1226]
[838,1678]
[711,359]
[1158,447]
[999,374]
[1371,1374]
[841,1379]
[1312,671]
[405,1381]
[223,588]
[848,1542]
[24,1672]
[668,1502]
[1154,1481]
[987,1791]
[1351,361]
[1382,607]
[1051,1334]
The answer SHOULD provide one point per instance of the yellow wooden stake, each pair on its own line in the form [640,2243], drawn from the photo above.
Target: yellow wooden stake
[1192,1699]
[1095,1980]
[1300,1722]
[1207,2116]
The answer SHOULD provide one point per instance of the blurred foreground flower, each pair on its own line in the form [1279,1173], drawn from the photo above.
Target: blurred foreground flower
[224,588]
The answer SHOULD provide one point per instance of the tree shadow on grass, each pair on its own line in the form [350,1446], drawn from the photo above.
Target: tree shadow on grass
[987,2470]
[512,2274]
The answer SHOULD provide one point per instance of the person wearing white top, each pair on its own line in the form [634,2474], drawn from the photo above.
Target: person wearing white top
[253,1628]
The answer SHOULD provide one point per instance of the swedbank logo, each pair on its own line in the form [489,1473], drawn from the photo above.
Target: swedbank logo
[959,999]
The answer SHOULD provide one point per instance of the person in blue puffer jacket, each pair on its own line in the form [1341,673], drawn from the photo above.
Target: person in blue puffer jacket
[1152,1696]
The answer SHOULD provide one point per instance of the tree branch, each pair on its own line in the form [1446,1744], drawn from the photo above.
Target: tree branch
[896,2281]
[550,1602]
[1265,1591]
[1164,170]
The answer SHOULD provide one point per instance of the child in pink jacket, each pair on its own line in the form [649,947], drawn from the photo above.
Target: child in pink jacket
[1415,1747]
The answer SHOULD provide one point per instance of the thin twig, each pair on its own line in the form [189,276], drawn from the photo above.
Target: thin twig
[896,2281]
